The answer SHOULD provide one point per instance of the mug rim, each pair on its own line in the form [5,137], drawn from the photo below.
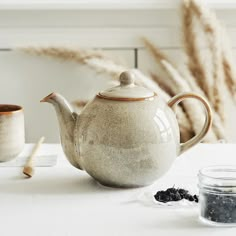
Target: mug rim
[11,109]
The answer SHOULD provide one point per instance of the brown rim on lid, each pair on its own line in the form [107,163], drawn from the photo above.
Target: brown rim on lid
[126,99]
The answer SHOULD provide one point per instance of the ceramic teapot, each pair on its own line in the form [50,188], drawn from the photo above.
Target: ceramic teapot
[127,136]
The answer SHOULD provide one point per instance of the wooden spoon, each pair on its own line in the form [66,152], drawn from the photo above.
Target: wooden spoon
[29,167]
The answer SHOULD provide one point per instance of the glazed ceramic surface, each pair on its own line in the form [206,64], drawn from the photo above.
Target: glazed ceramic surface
[126,136]
[127,146]
[12,135]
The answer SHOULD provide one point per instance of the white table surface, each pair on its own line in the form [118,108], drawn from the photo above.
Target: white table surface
[62,200]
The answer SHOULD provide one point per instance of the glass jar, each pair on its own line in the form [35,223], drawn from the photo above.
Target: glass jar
[217,195]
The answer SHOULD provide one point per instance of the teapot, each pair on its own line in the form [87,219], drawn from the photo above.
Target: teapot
[127,136]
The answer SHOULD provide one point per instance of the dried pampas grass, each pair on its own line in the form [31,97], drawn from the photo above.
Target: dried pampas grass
[194,111]
[212,34]
[228,65]
[207,79]
[192,50]
[173,83]
[230,74]
[210,79]
[94,59]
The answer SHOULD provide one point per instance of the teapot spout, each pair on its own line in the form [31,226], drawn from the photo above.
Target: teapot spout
[67,122]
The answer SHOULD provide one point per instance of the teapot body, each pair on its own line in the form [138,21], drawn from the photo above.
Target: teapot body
[127,144]
[127,136]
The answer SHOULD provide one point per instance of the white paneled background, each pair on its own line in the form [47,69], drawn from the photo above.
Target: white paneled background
[114,26]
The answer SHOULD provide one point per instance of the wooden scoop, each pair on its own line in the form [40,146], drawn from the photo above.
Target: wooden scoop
[29,168]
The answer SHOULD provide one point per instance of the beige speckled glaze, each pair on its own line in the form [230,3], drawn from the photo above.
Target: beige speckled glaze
[12,135]
[124,139]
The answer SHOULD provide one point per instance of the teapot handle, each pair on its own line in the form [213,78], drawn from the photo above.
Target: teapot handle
[208,121]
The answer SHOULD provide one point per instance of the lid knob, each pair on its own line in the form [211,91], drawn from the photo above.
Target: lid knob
[127,78]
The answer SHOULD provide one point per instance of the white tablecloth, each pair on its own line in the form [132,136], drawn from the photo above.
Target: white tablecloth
[62,200]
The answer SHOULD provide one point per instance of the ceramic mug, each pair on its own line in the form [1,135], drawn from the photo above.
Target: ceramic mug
[12,131]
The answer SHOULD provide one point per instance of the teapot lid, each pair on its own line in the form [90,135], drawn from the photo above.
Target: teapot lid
[127,90]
